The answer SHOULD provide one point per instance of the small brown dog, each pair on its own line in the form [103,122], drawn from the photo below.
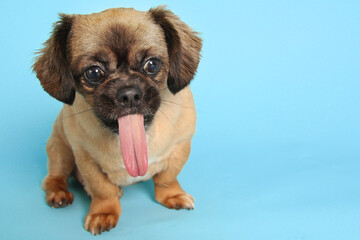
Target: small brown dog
[128,115]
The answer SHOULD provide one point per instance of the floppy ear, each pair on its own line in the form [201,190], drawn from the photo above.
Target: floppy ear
[183,45]
[52,67]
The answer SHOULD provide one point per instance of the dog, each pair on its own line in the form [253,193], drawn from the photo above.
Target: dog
[128,113]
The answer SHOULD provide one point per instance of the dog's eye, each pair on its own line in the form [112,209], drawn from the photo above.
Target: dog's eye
[152,66]
[94,74]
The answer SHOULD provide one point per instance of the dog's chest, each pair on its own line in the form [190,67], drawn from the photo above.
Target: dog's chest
[112,164]
[104,149]
[118,175]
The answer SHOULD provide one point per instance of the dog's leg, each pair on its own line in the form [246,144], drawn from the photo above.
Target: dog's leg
[105,206]
[168,191]
[60,165]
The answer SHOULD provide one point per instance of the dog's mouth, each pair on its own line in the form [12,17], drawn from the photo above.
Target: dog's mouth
[130,129]
[131,132]
[128,112]
[113,125]
[133,144]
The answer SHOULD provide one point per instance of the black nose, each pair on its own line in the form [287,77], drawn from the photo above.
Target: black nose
[129,96]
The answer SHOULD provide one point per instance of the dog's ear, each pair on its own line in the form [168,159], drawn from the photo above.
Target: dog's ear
[52,66]
[183,45]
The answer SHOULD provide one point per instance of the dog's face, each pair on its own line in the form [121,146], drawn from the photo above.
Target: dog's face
[120,60]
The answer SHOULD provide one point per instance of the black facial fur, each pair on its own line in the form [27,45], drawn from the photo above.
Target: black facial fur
[120,71]
[119,39]
[108,108]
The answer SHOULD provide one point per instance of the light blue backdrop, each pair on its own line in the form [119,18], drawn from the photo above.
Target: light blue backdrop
[277,150]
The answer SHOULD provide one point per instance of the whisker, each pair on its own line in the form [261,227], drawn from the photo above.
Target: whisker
[171,123]
[164,89]
[75,114]
[179,105]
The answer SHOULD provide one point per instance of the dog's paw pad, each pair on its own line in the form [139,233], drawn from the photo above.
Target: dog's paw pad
[180,201]
[59,199]
[100,222]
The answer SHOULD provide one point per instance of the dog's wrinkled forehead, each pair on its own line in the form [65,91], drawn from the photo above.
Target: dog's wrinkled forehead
[121,34]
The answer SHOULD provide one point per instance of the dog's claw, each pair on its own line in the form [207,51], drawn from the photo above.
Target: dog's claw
[59,199]
[180,201]
[100,222]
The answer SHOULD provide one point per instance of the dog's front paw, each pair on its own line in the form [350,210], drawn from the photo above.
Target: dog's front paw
[59,199]
[179,201]
[100,222]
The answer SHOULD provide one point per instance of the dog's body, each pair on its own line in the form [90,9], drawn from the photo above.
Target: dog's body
[173,126]
[119,72]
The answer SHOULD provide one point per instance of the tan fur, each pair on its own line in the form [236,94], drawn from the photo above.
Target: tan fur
[79,143]
[99,160]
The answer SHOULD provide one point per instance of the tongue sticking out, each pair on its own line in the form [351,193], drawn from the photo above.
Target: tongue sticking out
[133,144]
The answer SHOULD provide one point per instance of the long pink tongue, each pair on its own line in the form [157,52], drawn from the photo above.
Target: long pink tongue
[133,144]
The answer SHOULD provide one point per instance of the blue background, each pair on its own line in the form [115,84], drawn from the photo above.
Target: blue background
[277,149]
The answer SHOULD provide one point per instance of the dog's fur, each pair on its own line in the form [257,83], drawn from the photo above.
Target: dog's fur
[84,139]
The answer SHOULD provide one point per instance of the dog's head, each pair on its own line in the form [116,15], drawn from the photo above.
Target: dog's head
[119,60]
